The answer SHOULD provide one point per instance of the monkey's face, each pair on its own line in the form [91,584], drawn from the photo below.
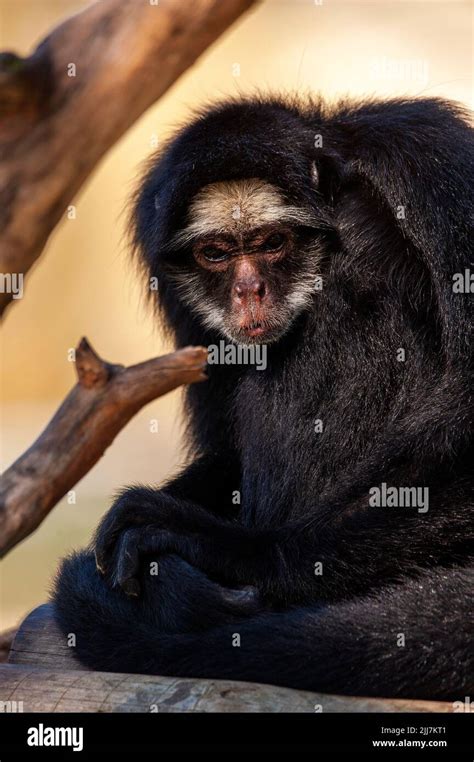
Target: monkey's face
[252,260]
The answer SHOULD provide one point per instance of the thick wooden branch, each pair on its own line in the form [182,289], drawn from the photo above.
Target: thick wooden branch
[105,398]
[52,689]
[85,84]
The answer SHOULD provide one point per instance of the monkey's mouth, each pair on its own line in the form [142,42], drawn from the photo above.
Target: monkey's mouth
[254,329]
[256,332]
[258,326]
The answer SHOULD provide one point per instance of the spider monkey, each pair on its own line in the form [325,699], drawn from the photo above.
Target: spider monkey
[332,236]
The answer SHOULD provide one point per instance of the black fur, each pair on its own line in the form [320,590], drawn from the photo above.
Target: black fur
[250,569]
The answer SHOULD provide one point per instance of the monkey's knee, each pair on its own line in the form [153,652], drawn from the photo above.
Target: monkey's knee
[82,598]
[175,598]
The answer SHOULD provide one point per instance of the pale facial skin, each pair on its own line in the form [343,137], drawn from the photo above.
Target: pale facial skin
[253,277]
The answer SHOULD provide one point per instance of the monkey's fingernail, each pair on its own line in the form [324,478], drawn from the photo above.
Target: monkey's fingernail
[131,587]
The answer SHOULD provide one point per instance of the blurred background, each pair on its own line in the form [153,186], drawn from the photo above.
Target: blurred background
[84,285]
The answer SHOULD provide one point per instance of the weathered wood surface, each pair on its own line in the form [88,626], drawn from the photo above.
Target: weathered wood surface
[56,690]
[43,674]
[40,643]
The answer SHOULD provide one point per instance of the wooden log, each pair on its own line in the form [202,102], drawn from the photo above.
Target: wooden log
[43,674]
[39,642]
[55,690]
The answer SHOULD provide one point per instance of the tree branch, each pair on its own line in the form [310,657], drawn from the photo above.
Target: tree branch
[55,124]
[105,398]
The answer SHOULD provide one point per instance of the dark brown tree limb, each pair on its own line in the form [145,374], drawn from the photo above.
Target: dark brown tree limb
[105,398]
[55,127]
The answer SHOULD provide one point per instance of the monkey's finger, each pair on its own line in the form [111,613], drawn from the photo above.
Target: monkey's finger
[105,541]
[112,528]
[134,508]
[128,562]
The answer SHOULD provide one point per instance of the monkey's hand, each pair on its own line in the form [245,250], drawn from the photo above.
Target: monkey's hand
[149,523]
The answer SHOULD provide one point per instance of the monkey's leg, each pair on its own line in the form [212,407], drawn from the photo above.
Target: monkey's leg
[400,642]
[176,598]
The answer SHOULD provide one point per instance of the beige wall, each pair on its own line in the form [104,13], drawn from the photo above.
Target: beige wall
[83,284]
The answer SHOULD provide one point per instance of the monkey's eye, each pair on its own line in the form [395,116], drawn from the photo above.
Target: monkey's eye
[213,253]
[274,242]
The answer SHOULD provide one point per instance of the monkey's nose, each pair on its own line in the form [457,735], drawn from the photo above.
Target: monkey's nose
[249,289]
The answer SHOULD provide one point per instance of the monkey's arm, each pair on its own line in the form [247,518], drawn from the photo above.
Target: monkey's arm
[210,482]
[351,543]
[298,562]
[202,491]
